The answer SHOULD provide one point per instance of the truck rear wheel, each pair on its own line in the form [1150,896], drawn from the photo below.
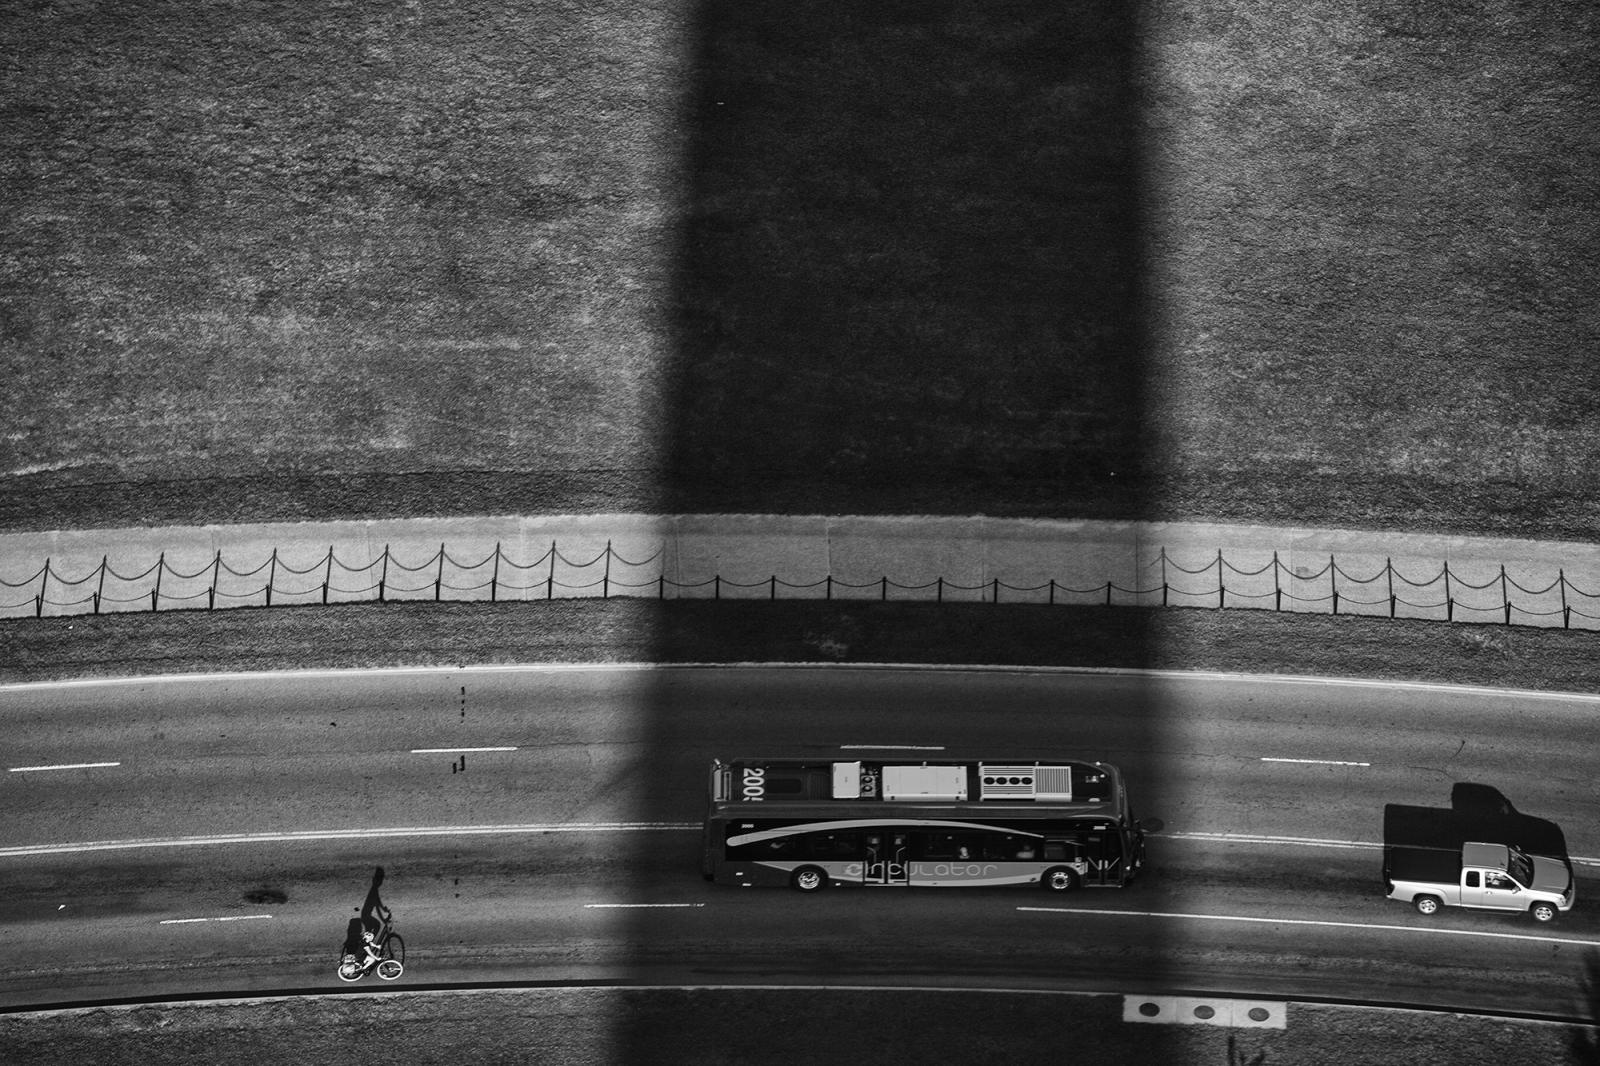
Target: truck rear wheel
[1426,904]
[1543,912]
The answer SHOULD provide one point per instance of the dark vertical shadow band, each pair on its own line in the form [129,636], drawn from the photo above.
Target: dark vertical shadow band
[909,275]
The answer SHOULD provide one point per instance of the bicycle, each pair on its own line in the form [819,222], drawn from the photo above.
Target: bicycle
[389,962]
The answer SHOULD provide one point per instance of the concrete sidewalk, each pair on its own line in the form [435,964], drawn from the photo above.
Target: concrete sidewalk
[798,556]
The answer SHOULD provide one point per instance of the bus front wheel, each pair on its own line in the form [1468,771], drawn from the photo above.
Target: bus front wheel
[809,879]
[1060,879]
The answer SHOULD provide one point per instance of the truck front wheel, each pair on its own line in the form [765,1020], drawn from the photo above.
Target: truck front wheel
[1543,912]
[1426,904]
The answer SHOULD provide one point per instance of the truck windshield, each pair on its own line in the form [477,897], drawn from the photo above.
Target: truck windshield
[1520,867]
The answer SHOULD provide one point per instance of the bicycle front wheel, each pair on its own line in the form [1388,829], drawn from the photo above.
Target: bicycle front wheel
[389,969]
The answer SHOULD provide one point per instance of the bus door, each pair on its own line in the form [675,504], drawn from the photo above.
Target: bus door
[886,860]
[1102,847]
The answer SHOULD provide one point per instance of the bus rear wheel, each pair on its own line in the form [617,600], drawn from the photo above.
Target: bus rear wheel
[809,879]
[1060,879]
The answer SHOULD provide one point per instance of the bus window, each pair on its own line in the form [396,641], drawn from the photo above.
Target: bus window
[771,848]
[846,845]
[947,845]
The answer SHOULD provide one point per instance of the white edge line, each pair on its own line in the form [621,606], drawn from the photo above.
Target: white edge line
[1107,671]
[225,918]
[636,906]
[1312,922]
[341,834]
[61,766]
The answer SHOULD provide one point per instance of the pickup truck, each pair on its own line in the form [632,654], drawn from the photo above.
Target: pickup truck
[1486,876]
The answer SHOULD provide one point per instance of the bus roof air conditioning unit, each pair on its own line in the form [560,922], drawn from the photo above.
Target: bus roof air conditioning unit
[924,782]
[1024,782]
[846,780]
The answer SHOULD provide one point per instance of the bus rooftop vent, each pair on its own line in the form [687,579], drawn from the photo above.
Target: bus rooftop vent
[1031,781]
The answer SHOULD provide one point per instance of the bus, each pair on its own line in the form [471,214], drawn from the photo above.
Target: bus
[815,822]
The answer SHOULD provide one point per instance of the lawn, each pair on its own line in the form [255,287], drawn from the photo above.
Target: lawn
[1199,260]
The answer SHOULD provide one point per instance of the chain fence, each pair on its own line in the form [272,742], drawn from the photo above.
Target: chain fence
[1218,582]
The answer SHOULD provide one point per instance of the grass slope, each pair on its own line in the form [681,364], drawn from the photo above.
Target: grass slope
[1225,260]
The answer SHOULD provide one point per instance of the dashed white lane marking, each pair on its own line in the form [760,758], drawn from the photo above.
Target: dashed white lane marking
[456,751]
[891,747]
[226,918]
[1316,762]
[61,766]
[346,834]
[1434,931]
[636,906]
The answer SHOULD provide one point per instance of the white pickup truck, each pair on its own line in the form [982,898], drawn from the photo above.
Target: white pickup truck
[1487,876]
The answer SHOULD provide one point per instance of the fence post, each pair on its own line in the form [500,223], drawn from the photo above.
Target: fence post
[605,578]
[494,576]
[216,568]
[1504,598]
[883,587]
[939,591]
[996,592]
[44,589]
[1277,590]
[550,581]
[101,588]
[716,586]
[211,598]
[1333,581]
[661,586]
[161,569]
[827,592]
[1163,569]
[1052,592]
[1222,588]
[438,581]
[327,574]
[772,587]
[1163,594]
[1388,569]
[1566,612]
[1449,598]
[272,576]
[38,606]
[383,575]
[1108,594]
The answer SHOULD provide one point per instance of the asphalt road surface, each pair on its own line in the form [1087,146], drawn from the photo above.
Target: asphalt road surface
[541,824]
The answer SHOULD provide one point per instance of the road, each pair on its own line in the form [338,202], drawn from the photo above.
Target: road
[215,835]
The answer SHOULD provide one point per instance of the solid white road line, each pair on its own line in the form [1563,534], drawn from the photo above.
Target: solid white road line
[1309,922]
[61,766]
[635,906]
[1311,842]
[226,918]
[345,834]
